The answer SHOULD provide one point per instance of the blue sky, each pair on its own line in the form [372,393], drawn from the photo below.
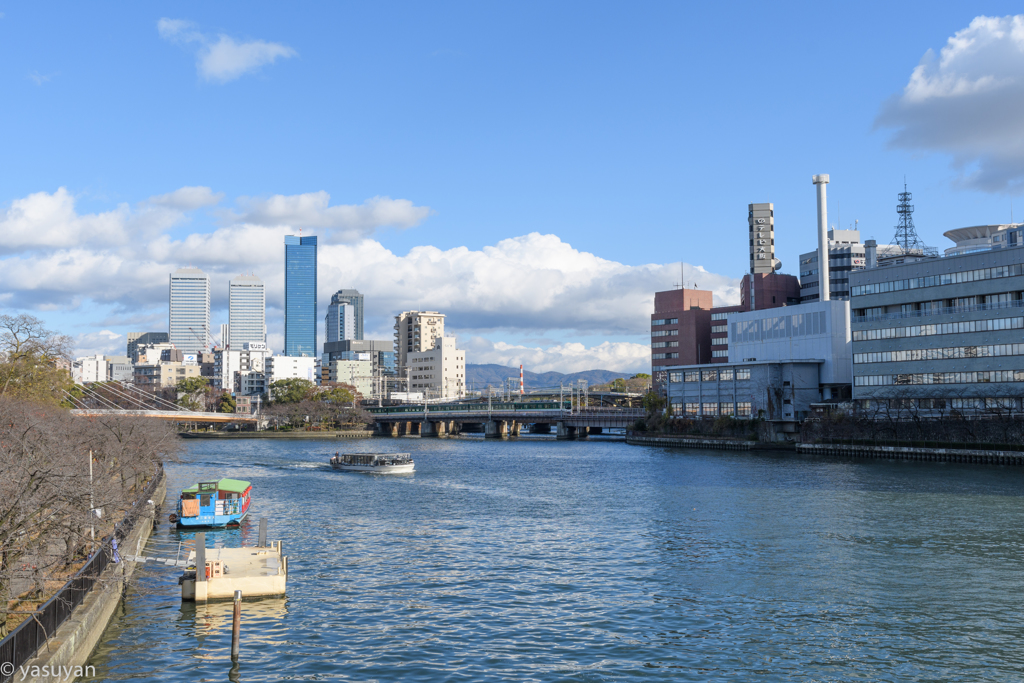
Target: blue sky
[540,169]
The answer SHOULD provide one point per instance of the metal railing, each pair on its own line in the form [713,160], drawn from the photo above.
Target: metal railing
[24,641]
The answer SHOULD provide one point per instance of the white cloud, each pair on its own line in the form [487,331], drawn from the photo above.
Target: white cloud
[965,103]
[312,210]
[187,198]
[625,357]
[104,343]
[38,78]
[225,58]
[521,286]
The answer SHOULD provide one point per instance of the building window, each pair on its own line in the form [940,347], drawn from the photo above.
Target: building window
[725,409]
[719,341]
[719,316]
[710,410]
[725,375]
[665,321]
[675,377]
[692,409]
[720,353]
[663,356]
[677,409]
[691,376]
[665,333]
[742,373]
[709,375]
[718,329]
[743,409]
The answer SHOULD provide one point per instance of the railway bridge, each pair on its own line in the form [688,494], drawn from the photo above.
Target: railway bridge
[499,420]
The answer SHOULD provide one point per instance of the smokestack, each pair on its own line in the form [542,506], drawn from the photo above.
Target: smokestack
[871,254]
[823,282]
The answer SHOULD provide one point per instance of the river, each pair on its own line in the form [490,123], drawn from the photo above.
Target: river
[537,560]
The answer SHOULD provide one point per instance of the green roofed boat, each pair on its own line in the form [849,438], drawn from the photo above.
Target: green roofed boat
[220,503]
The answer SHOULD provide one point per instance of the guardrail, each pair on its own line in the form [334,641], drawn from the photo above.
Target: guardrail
[25,640]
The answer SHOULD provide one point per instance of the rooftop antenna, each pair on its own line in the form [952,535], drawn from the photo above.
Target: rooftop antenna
[906,236]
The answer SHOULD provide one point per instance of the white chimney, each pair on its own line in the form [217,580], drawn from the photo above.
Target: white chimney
[823,282]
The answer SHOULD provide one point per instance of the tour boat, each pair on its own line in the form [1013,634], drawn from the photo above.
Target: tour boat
[220,503]
[375,463]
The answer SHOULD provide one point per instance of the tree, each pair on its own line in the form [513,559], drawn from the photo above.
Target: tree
[227,403]
[34,361]
[339,395]
[292,390]
[191,391]
[653,403]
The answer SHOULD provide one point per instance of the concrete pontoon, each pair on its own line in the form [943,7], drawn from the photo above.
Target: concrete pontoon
[256,571]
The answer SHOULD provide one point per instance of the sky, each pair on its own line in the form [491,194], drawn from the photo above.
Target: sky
[535,171]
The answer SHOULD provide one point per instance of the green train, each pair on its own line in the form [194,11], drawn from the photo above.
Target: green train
[441,408]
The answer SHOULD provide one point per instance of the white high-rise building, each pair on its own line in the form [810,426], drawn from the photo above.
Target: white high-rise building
[439,372]
[340,322]
[247,312]
[189,323]
[416,331]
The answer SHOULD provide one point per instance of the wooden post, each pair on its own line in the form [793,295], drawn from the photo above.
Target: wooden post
[201,556]
[236,626]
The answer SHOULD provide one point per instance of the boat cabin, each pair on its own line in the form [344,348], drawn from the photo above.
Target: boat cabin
[209,500]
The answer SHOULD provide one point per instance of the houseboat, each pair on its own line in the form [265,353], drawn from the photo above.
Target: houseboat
[220,503]
[374,463]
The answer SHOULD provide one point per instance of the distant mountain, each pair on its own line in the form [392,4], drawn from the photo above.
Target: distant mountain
[479,376]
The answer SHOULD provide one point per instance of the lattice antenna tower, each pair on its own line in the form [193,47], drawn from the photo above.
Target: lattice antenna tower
[906,236]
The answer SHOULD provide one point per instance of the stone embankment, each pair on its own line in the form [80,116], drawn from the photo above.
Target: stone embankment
[692,442]
[957,455]
[75,640]
[358,434]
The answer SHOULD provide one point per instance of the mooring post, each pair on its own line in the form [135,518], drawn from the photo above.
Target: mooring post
[201,556]
[236,626]
[262,543]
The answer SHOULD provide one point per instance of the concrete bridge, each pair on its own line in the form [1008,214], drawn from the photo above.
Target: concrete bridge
[499,420]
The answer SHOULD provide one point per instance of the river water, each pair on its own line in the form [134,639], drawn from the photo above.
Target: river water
[537,560]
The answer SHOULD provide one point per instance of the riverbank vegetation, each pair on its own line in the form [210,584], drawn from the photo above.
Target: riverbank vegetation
[300,404]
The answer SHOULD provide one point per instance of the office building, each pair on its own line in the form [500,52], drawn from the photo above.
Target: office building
[438,372]
[138,339]
[355,373]
[941,334]
[300,296]
[344,316]
[230,366]
[89,369]
[415,332]
[380,353]
[119,368]
[160,374]
[290,367]
[189,322]
[247,312]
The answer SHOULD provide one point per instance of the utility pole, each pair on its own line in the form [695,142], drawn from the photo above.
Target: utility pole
[92,504]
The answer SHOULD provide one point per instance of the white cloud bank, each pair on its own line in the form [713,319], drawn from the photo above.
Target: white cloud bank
[966,103]
[222,59]
[58,258]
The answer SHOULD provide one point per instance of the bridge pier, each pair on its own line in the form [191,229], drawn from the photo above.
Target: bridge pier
[565,433]
[582,432]
[428,429]
[495,429]
[386,428]
[514,428]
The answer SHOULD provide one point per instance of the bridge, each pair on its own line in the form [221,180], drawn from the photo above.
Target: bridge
[499,420]
[171,415]
[102,399]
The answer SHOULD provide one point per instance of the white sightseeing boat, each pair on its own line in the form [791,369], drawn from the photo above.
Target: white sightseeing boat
[375,463]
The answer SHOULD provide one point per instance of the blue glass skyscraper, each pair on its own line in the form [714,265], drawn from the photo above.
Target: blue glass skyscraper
[299,296]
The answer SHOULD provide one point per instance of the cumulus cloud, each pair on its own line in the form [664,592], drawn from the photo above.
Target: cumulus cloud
[625,357]
[522,285]
[965,103]
[312,210]
[187,198]
[223,58]
[102,343]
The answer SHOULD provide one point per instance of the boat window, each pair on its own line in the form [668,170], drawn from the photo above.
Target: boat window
[204,500]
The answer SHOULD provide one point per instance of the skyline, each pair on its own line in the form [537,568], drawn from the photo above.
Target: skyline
[538,196]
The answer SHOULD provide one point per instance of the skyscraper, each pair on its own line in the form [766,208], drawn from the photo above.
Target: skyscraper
[299,295]
[189,322]
[347,323]
[247,311]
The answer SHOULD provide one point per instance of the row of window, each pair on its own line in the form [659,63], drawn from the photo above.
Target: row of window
[663,356]
[711,409]
[941,403]
[724,375]
[720,316]
[955,305]
[715,329]
[944,328]
[665,333]
[946,353]
[665,321]
[781,327]
[719,341]
[937,280]
[662,345]
[980,377]
[720,353]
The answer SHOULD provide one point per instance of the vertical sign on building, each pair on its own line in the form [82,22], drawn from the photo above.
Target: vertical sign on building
[761,220]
